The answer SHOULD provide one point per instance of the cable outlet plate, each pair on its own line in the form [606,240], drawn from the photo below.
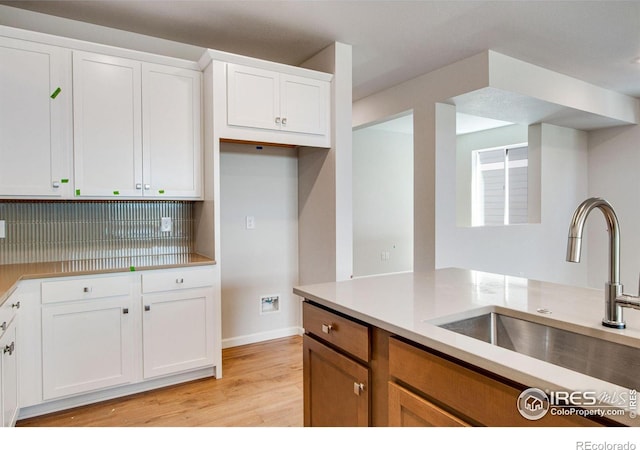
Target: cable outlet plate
[269,304]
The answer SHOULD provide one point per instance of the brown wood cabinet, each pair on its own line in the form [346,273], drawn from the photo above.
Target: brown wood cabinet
[336,388]
[407,409]
[466,393]
[360,375]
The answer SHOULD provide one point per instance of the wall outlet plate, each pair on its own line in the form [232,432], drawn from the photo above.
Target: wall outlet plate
[166,224]
[3,229]
[269,303]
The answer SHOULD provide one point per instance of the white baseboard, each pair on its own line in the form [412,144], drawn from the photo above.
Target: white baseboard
[261,337]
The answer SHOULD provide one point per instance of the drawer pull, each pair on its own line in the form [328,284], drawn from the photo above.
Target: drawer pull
[16,305]
[10,348]
[86,289]
[179,280]
[3,327]
[358,388]
[326,329]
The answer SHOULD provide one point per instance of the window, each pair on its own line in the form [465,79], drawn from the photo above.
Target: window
[499,195]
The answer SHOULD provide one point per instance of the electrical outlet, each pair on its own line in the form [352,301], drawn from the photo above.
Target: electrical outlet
[250,222]
[166,224]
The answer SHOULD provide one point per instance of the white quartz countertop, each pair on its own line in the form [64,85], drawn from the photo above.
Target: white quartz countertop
[412,304]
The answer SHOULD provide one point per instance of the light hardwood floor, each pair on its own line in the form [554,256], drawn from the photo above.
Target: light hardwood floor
[261,386]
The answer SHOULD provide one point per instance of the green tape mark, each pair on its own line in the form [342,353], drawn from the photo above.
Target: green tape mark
[77,192]
[64,180]
[161,191]
[56,92]
[132,269]
[116,192]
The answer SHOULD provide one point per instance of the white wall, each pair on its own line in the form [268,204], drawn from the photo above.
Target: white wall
[382,201]
[264,260]
[614,174]
[325,200]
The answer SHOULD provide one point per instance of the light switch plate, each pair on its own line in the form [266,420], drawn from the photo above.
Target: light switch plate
[3,229]
[250,222]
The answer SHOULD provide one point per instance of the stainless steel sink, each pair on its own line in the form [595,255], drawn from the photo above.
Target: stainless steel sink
[597,357]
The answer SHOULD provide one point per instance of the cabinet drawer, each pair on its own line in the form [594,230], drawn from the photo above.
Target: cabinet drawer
[480,398]
[175,280]
[346,334]
[8,311]
[85,288]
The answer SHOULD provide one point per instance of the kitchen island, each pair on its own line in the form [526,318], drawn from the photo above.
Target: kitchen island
[400,314]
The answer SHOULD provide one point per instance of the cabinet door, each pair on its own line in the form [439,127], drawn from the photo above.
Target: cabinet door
[336,388]
[9,376]
[171,123]
[34,127]
[86,345]
[177,331]
[107,126]
[304,104]
[407,409]
[253,97]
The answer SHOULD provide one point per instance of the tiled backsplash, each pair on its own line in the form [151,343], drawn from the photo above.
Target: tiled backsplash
[46,231]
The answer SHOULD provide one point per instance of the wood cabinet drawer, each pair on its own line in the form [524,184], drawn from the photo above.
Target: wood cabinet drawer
[85,288]
[480,398]
[176,279]
[344,333]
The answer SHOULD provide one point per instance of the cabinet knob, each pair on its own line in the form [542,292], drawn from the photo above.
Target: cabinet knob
[327,328]
[179,280]
[55,184]
[147,307]
[10,348]
[125,310]
[3,326]
[277,120]
[16,305]
[284,121]
[87,289]
[358,388]
[138,186]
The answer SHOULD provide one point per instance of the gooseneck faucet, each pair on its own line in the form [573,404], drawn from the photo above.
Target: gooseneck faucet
[615,300]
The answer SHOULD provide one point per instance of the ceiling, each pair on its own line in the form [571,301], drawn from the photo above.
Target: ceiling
[393,41]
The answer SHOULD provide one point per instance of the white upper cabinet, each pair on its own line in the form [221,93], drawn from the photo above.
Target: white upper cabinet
[107,115]
[272,101]
[137,129]
[253,97]
[35,119]
[304,103]
[171,124]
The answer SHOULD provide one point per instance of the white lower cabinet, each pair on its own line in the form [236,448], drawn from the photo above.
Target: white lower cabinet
[86,345]
[177,331]
[103,336]
[9,375]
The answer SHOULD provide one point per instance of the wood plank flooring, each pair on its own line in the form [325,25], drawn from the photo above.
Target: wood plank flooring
[261,387]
